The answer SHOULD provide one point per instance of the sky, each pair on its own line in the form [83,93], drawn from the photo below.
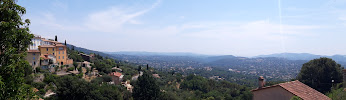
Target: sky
[213,27]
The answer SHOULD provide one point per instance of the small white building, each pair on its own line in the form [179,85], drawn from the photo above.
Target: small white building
[36,41]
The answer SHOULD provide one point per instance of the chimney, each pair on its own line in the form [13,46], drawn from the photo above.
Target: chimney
[261,82]
[344,77]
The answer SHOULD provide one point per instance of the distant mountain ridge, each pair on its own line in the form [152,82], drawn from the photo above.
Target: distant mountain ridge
[276,66]
[87,51]
[144,53]
[303,56]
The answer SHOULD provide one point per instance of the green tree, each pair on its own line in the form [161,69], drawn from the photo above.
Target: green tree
[139,68]
[15,38]
[73,88]
[320,74]
[56,38]
[146,88]
[194,82]
[75,64]
[337,93]
[106,92]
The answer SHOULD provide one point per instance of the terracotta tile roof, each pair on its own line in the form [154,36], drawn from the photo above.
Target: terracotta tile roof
[33,51]
[59,45]
[115,74]
[300,89]
[55,41]
[156,75]
[45,56]
[43,39]
[47,46]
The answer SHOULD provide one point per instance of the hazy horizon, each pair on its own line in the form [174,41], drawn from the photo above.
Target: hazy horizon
[211,54]
[240,28]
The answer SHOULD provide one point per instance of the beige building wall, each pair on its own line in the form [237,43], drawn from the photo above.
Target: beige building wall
[61,55]
[48,50]
[69,61]
[33,58]
[273,93]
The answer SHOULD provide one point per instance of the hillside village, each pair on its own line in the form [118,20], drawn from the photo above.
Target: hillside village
[53,56]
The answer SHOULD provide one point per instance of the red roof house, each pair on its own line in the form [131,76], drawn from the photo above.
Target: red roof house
[285,91]
[116,77]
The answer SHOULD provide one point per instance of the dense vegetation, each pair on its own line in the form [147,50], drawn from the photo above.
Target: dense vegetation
[15,38]
[321,74]
[73,88]
[219,90]
[337,92]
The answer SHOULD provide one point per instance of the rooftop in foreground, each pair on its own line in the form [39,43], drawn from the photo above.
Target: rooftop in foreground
[299,89]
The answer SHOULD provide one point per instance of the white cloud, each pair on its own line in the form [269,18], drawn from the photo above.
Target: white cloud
[343,18]
[262,29]
[114,18]
[49,21]
[261,37]
[60,5]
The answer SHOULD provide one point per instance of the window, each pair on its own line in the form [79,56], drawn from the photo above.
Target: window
[59,57]
[59,52]
[47,49]
[34,58]
[33,54]
[61,48]
[53,53]
[62,52]
[63,57]
[53,49]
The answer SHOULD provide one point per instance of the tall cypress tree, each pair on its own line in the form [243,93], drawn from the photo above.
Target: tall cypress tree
[56,38]
[146,88]
[15,38]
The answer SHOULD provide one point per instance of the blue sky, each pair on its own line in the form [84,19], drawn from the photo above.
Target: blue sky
[227,27]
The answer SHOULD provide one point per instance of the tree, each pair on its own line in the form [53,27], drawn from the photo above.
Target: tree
[75,64]
[15,38]
[65,42]
[56,38]
[146,88]
[139,68]
[106,92]
[320,74]
[73,88]
[194,82]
